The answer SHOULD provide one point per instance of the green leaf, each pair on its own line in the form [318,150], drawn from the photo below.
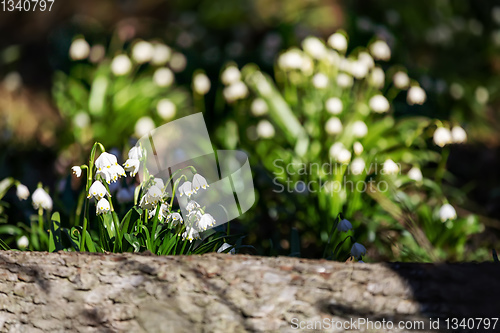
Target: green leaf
[55,243]
[3,245]
[73,236]
[5,185]
[132,240]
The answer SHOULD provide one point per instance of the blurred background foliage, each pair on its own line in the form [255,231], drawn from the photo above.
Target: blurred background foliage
[450,47]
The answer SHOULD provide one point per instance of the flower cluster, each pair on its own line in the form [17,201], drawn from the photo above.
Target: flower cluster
[234,89]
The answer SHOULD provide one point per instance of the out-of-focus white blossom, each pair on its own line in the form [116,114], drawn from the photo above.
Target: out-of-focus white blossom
[401,80]
[338,41]
[22,192]
[81,120]
[97,53]
[163,77]
[447,212]
[320,81]
[265,129]
[366,59]
[41,199]
[379,104]
[79,49]
[23,242]
[358,148]
[199,182]
[415,174]
[121,65]
[458,135]
[291,59]
[161,54]
[380,50]
[416,95]
[151,198]
[143,126]
[187,189]
[333,126]
[377,77]
[482,95]
[314,47]
[344,80]
[259,107]
[142,52]
[456,91]
[358,166]
[359,69]
[442,136]
[235,91]
[178,62]
[334,105]
[390,167]
[201,84]
[166,109]
[230,75]
[359,129]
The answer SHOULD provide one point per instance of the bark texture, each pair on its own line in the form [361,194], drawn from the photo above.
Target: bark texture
[81,292]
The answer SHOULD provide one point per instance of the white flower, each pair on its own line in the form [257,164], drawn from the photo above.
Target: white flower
[163,213]
[338,42]
[235,91]
[314,47]
[335,149]
[81,120]
[158,182]
[121,65]
[359,69]
[161,54]
[206,221]
[447,212]
[333,126]
[334,105]
[320,81]
[344,80]
[358,250]
[23,242]
[344,226]
[103,206]
[41,199]
[77,171]
[142,52]
[442,136]
[390,167]
[343,156]
[108,167]
[415,174]
[135,153]
[22,192]
[224,247]
[201,84]
[79,49]
[143,126]
[366,59]
[176,218]
[192,205]
[358,148]
[125,195]
[105,160]
[379,104]
[291,59]
[187,189]
[230,75]
[458,134]
[482,95]
[357,166]
[380,50]
[377,77]
[163,77]
[97,190]
[259,107]
[151,197]
[416,95]
[265,129]
[178,62]
[199,181]
[456,90]
[401,80]
[166,109]
[359,129]
[190,234]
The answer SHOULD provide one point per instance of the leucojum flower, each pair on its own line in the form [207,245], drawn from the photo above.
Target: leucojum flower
[41,199]
[108,168]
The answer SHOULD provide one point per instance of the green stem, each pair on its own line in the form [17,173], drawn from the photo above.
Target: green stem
[40,223]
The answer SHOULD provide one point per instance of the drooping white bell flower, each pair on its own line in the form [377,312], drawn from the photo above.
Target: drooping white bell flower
[79,49]
[163,77]
[458,134]
[343,156]
[166,109]
[416,95]
[358,166]
[291,59]
[178,62]
[415,174]
[442,136]
[41,199]
[77,171]
[390,167]
[366,59]
[358,250]
[201,84]
[335,149]
[192,205]
[135,153]
[121,65]
[259,107]
[235,91]
[344,80]
[22,192]
[447,212]
[320,81]
[359,69]
[112,173]
[23,242]
[338,41]
[162,214]
[333,126]
[176,218]
[314,47]
[132,165]
[105,161]
[161,54]
[344,226]
[142,52]
[226,246]
[358,148]
[103,206]
[265,129]
[187,189]
[482,95]
[377,77]
[230,75]
[359,129]
[401,80]
[379,104]
[334,105]
[151,197]
[380,50]
[158,182]
[98,191]
[143,126]
[206,221]
[190,234]
[199,181]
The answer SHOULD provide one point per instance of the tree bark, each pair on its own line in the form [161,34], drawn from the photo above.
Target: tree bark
[82,292]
